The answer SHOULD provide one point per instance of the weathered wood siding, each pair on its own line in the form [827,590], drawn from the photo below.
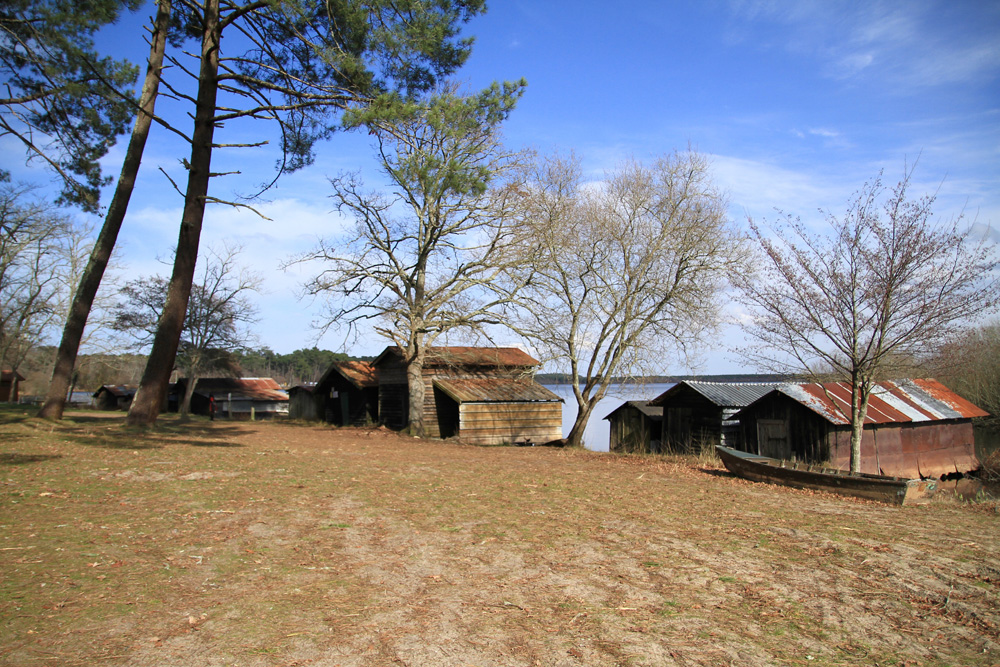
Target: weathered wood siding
[634,432]
[691,423]
[304,404]
[394,395]
[351,406]
[507,423]
[779,427]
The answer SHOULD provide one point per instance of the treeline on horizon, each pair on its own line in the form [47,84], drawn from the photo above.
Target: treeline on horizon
[95,370]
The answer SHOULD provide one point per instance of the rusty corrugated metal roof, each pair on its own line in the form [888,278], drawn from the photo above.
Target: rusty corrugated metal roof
[470,356]
[360,373]
[255,389]
[494,390]
[897,401]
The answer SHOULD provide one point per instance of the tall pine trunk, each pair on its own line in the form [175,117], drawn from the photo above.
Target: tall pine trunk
[153,386]
[90,282]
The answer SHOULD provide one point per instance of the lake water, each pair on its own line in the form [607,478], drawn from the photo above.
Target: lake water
[598,433]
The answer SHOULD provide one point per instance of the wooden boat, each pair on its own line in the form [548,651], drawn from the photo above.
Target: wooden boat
[895,490]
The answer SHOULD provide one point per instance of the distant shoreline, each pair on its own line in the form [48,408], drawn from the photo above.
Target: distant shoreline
[564,378]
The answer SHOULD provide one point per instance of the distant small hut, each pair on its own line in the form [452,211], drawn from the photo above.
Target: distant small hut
[497,400]
[699,415]
[914,428]
[347,394]
[10,386]
[114,396]
[636,428]
[302,403]
[236,398]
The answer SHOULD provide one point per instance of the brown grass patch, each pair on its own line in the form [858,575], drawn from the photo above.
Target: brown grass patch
[273,544]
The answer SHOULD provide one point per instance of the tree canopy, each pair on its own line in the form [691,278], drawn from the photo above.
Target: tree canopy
[614,279]
[62,100]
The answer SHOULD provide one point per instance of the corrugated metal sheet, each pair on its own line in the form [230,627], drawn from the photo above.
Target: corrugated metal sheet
[893,402]
[254,389]
[723,394]
[494,390]
[645,407]
[470,356]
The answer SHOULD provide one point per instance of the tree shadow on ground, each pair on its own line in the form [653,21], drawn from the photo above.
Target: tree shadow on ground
[17,459]
[715,472]
[108,430]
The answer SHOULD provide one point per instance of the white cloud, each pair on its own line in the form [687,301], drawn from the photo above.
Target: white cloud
[901,45]
[758,188]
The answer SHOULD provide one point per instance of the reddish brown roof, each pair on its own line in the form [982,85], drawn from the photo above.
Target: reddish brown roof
[255,389]
[891,402]
[361,373]
[494,390]
[8,375]
[469,356]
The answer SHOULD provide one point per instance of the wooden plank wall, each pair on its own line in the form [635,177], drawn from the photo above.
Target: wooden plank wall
[503,423]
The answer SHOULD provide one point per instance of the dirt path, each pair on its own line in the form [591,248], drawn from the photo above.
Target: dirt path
[272,544]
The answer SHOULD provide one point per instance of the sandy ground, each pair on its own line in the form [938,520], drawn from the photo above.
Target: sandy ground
[275,544]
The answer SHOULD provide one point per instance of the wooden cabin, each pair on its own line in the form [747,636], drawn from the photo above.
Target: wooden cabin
[697,415]
[10,386]
[482,395]
[236,398]
[348,394]
[114,396]
[636,428]
[302,402]
[914,428]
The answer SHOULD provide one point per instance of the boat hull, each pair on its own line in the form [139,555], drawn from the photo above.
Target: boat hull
[894,490]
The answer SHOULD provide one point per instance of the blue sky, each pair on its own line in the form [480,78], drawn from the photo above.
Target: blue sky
[796,104]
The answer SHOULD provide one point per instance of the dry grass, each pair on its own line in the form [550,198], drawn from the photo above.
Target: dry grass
[275,544]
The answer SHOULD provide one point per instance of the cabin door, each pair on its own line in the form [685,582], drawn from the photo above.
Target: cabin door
[772,438]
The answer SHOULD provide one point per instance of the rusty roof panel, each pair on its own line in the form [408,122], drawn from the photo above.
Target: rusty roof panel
[255,389]
[360,373]
[902,401]
[495,390]
[936,393]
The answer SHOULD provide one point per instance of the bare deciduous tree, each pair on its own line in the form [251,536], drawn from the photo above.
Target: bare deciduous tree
[620,276]
[883,282]
[969,363]
[38,250]
[218,317]
[426,259]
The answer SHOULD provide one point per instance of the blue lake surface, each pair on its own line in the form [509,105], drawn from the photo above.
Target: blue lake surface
[598,433]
